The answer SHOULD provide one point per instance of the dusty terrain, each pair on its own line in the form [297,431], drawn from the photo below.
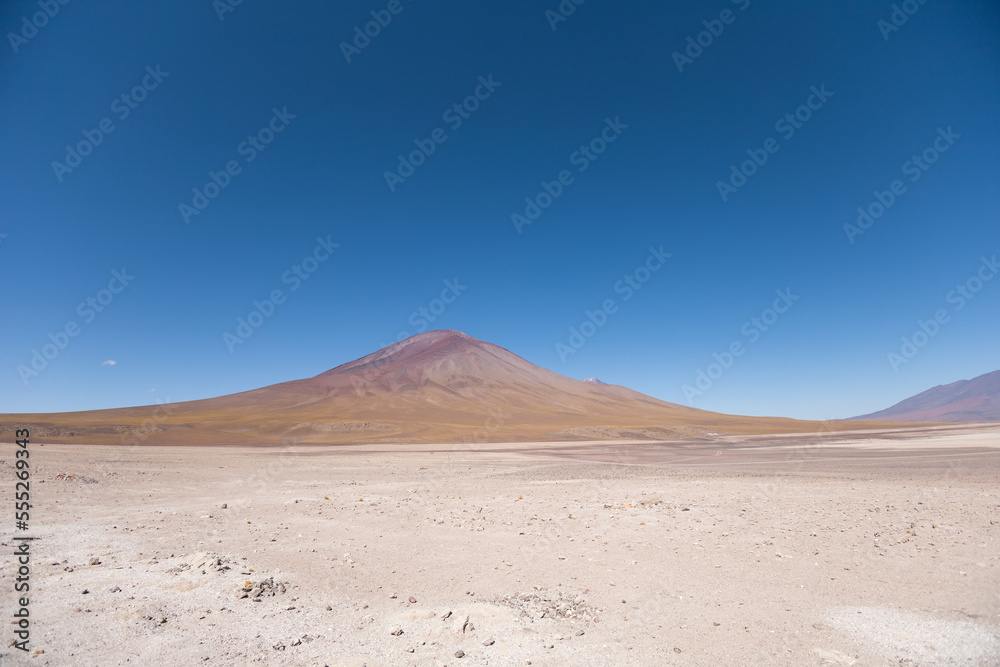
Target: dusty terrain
[876,548]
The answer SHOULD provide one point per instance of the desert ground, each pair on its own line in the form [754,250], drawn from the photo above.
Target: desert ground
[863,548]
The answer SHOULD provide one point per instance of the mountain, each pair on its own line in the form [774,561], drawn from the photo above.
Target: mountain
[975,400]
[595,381]
[439,386]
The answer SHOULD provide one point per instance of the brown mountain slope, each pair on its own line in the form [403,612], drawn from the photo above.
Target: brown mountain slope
[975,400]
[440,386]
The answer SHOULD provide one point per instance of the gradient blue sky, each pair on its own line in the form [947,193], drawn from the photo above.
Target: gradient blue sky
[323,176]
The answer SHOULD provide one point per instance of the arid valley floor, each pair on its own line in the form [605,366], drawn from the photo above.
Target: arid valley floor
[878,548]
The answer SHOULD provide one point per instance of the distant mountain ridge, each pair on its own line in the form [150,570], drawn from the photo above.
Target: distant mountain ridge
[435,387]
[975,400]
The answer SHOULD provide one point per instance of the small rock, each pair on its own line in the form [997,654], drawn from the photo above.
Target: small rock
[85,591]
[329,608]
[410,650]
[413,600]
[115,589]
[94,561]
[579,633]
[459,653]
[397,631]
[224,506]
[488,642]
[676,650]
[297,642]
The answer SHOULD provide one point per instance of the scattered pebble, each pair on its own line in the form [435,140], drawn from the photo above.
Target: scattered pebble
[262,588]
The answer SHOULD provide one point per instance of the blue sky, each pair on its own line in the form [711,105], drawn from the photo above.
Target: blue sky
[273,83]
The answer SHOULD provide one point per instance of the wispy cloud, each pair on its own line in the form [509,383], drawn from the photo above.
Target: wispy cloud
[109,362]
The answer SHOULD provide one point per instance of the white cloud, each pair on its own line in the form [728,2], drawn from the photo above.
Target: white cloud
[109,362]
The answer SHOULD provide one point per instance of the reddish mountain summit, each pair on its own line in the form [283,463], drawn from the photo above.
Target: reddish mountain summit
[439,386]
[975,400]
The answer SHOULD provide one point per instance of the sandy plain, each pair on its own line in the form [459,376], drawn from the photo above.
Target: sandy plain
[875,548]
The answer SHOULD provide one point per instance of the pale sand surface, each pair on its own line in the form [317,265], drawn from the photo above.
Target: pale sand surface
[834,550]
